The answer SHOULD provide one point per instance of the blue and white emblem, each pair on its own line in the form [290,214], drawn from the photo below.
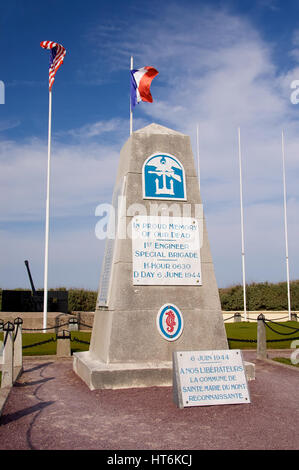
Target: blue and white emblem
[163,178]
[170,322]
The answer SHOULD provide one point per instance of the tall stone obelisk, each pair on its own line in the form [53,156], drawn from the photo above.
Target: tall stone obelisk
[158,291]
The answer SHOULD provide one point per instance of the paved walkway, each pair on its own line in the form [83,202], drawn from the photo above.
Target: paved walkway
[51,408]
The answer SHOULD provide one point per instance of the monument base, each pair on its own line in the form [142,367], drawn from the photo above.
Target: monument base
[99,376]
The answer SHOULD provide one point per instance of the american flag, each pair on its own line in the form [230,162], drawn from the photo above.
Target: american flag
[56,58]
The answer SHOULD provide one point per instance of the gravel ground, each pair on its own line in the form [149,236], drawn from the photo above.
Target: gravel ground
[50,408]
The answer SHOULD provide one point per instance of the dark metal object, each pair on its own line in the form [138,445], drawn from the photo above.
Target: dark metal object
[65,334]
[37,298]
[26,301]
[16,301]
[30,277]
[8,326]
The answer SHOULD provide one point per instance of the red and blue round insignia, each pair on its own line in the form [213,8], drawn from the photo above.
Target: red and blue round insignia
[170,322]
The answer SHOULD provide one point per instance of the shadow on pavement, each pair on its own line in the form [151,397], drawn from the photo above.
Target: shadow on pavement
[39,366]
[36,382]
[5,419]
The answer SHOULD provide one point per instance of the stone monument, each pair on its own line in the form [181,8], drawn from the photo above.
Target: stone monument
[158,291]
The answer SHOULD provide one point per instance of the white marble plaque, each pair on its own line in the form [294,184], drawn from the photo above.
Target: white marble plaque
[166,251]
[204,378]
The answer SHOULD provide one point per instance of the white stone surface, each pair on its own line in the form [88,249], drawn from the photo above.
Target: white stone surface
[126,332]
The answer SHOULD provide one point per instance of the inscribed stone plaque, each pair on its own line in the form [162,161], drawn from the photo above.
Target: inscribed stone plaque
[166,251]
[209,378]
[102,299]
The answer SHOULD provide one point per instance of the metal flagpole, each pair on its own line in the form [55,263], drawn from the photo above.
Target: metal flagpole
[197,146]
[47,216]
[242,226]
[131,110]
[286,223]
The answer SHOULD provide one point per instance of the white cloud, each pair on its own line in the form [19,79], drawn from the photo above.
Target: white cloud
[9,124]
[82,177]
[97,129]
[215,70]
[75,257]
[77,178]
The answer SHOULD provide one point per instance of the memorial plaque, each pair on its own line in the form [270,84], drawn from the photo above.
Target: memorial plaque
[158,291]
[204,378]
[163,178]
[170,322]
[103,294]
[166,251]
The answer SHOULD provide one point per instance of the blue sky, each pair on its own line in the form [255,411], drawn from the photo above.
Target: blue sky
[222,64]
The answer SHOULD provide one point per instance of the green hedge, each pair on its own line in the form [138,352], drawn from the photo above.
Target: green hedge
[82,300]
[260,296]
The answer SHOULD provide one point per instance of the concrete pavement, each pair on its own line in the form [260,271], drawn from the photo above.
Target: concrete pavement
[51,408]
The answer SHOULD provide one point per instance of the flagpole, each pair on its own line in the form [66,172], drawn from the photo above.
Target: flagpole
[286,222]
[242,225]
[131,111]
[197,146]
[47,216]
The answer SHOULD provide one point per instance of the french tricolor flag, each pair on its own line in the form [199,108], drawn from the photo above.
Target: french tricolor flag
[141,80]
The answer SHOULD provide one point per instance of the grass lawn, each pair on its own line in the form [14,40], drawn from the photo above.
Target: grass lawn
[248,330]
[242,330]
[82,336]
[50,347]
[285,360]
